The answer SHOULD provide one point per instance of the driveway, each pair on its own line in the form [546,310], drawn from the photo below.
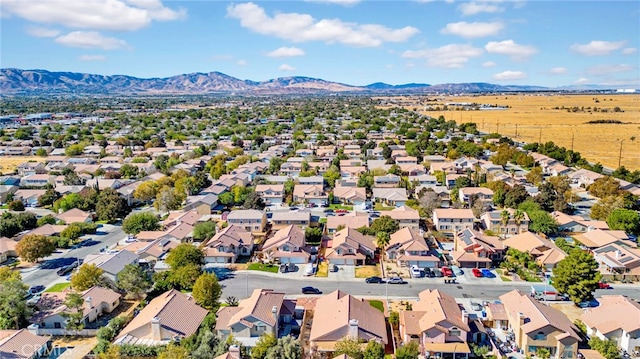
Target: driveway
[344,273]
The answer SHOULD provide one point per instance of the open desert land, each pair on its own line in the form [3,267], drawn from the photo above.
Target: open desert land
[535,117]
[8,164]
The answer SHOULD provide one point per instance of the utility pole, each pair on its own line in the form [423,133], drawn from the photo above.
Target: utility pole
[540,136]
[572,136]
[620,155]
[516,130]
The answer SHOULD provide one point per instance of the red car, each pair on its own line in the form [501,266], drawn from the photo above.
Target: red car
[341,211]
[447,272]
[604,285]
[476,273]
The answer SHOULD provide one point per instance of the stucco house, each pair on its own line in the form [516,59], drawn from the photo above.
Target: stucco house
[617,318]
[287,245]
[408,247]
[228,244]
[350,247]
[250,219]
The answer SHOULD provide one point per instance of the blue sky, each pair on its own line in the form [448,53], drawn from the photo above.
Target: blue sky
[539,42]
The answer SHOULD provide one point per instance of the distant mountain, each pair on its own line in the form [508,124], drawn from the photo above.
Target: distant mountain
[15,81]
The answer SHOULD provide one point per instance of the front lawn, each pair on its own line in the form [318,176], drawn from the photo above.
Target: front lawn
[381,207]
[377,304]
[368,271]
[341,206]
[263,267]
[58,287]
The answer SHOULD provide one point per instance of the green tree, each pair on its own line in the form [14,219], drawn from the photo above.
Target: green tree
[184,276]
[264,343]
[74,314]
[48,219]
[16,206]
[13,306]
[577,276]
[253,201]
[185,254]
[134,281]
[203,231]
[604,186]
[207,291]
[72,232]
[32,247]
[173,351]
[141,221]
[374,350]
[535,176]
[542,222]
[515,195]
[625,220]
[313,234]
[408,351]
[8,274]
[605,206]
[167,199]
[608,348]
[543,353]
[349,346]
[385,224]
[87,276]
[48,197]
[111,206]
[286,348]
[146,191]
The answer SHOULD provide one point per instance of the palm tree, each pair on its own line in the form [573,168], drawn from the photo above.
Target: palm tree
[505,216]
[518,217]
[382,241]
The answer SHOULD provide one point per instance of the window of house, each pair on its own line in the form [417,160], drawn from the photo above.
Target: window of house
[57,325]
[454,332]
[568,352]
[540,336]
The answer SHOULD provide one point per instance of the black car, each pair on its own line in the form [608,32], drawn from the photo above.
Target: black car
[36,289]
[311,290]
[374,280]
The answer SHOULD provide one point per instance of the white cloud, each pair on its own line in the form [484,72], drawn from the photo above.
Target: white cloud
[119,15]
[448,56]
[92,58]
[91,40]
[629,51]
[286,52]
[337,2]
[510,48]
[287,68]
[582,80]
[303,27]
[38,31]
[242,62]
[558,70]
[509,75]
[488,64]
[596,47]
[600,70]
[471,30]
[476,7]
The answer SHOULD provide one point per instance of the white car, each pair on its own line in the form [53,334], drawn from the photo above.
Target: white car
[33,300]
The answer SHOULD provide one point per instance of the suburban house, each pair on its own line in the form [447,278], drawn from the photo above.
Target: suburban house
[232,353]
[287,246]
[426,181]
[203,204]
[264,312]
[281,220]
[340,315]
[406,217]
[482,194]
[271,193]
[546,253]
[473,249]
[311,193]
[251,220]
[492,221]
[537,325]
[386,181]
[23,344]
[112,263]
[350,195]
[352,219]
[408,247]
[576,224]
[75,215]
[150,252]
[598,238]
[228,244]
[49,318]
[615,259]
[452,220]
[168,317]
[438,325]
[350,247]
[178,217]
[396,197]
[6,192]
[617,318]
[8,248]
[29,197]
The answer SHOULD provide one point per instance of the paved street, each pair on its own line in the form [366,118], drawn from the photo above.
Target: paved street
[243,283]
[46,275]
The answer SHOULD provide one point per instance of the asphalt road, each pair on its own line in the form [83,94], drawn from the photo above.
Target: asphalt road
[45,274]
[241,284]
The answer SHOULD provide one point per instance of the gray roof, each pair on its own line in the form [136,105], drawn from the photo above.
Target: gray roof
[112,263]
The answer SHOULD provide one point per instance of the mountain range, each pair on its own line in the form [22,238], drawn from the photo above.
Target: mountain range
[17,81]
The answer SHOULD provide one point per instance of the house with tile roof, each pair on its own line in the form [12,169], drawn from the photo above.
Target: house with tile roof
[283,219]
[233,353]
[473,249]
[168,317]
[287,245]
[406,217]
[350,247]
[7,249]
[597,238]
[339,315]
[536,325]
[546,253]
[396,197]
[178,217]
[264,312]
[452,220]
[350,195]
[576,224]
[309,193]
[437,324]
[408,247]
[352,219]
[492,221]
[251,220]
[75,215]
[618,260]
[617,318]
[22,344]
[271,193]
[229,244]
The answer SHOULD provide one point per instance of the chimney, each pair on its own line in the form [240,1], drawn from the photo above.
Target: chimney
[353,329]
[465,317]
[521,318]
[156,331]
[89,301]
[234,352]
[274,313]
[617,254]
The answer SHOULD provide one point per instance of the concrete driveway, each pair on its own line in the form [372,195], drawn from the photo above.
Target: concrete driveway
[344,273]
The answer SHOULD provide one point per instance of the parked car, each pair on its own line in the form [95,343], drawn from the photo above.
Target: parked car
[476,272]
[487,273]
[447,272]
[311,290]
[456,270]
[34,300]
[602,285]
[328,210]
[476,306]
[67,269]
[287,267]
[36,289]
[589,303]
[416,272]
[438,273]
[395,280]
[341,210]
[429,273]
[310,270]
[333,268]
[374,280]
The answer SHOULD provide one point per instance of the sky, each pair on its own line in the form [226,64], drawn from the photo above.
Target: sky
[538,42]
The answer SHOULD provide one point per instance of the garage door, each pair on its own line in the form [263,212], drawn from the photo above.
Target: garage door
[336,261]
[296,260]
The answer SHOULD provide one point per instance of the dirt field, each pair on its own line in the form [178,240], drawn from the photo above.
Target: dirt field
[8,164]
[531,118]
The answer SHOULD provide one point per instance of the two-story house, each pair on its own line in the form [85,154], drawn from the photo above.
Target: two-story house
[350,247]
[545,252]
[406,217]
[281,219]
[576,224]
[288,245]
[536,325]
[617,318]
[437,324]
[451,220]
[516,224]
[251,220]
[311,193]
[271,193]
[473,249]
[409,248]
[482,194]
[353,219]
[229,244]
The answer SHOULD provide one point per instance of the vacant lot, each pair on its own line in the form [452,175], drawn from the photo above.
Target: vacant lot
[558,118]
[8,164]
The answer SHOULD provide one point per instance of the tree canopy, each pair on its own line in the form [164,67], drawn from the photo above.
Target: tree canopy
[135,223]
[207,291]
[87,276]
[577,276]
[32,247]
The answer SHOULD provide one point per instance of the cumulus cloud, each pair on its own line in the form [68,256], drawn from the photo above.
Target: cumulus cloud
[286,52]
[600,70]
[92,58]
[37,31]
[337,2]
[119,15]
[303,27]
[448,56]
[471,30]
[582,80]
[509,75]
[510,48]
[287,68]
[91,40]
[476,7]
[558,70]
[629,51]
[488,64]
[597,48]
